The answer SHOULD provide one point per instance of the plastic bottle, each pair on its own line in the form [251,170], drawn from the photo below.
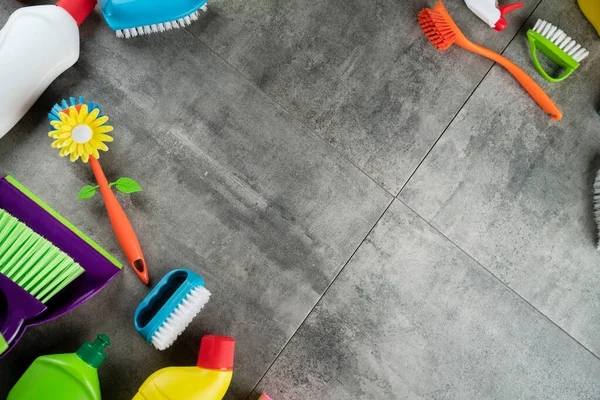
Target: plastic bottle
[37,44]
[71,376]
[209,380]
[591,10]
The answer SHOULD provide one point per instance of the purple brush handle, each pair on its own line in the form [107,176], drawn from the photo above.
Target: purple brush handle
[16,307]
[99,271]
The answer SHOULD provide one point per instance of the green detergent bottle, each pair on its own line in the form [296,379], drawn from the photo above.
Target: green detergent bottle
[71,376]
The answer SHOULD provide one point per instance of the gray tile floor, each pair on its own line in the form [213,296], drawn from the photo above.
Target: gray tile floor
[375,219]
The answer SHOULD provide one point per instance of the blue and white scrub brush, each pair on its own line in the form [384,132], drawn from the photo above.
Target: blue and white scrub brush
[170,307]
[131,18]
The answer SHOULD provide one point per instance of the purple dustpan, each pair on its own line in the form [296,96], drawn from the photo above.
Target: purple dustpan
[100,267]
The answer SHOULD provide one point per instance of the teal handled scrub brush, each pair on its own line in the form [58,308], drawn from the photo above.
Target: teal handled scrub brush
[131,18]
[557,46]
[170,307]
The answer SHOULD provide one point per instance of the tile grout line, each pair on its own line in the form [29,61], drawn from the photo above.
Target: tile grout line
[502,282]
[394,198]
[456,245]
[466,101]
[294,116]
[320,298]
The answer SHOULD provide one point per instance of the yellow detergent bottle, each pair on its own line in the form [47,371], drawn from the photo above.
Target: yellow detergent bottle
[209,380]
[591,9]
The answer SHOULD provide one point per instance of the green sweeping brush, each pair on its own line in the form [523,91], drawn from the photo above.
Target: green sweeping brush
[32,262]
[32,271]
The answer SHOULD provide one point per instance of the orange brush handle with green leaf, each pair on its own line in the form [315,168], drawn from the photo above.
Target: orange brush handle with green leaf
[80,130]
[442,32]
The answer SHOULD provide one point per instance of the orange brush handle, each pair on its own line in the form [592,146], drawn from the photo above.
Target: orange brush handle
[455,35]
[121,225]
[534,90]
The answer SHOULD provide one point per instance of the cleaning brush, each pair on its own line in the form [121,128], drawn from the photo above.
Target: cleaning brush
[133,18]
[32,271]
[32,262]
[170,307]
[557,46]
[442,32]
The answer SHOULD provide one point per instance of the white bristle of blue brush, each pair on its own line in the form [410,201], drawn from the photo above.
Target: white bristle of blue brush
[597,206]
[157,28]
[560,38]
[180,318]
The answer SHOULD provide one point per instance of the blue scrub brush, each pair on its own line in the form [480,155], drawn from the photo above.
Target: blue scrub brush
[131,18]
[170,307]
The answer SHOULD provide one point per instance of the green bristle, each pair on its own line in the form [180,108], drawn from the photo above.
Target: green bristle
[33,262]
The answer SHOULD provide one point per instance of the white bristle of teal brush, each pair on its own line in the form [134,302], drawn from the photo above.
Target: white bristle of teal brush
[560,39]
[33,262]
[163,27]
[180,318]
[597,206]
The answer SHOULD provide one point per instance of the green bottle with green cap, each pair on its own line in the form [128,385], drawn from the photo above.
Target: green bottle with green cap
[71,376]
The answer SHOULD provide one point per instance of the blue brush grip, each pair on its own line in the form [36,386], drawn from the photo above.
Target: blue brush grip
[191,280]
[127,14]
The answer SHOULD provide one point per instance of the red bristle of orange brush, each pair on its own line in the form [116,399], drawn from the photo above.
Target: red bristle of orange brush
[437,30]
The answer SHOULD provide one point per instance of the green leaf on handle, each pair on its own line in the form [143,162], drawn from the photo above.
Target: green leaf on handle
[127,185]
[86,192]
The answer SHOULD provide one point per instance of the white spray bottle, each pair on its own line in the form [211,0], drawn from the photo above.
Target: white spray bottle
[37,44]
[491,13]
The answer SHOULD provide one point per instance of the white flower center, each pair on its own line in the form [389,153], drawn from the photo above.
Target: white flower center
[81,134]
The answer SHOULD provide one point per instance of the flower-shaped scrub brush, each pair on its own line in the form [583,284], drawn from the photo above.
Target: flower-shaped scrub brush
[80,131]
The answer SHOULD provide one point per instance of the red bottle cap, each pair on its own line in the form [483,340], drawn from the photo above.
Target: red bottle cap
[79,9]
[216,352]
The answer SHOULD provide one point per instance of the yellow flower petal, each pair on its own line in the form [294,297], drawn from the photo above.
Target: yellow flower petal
[103,138]
[103,129]
[99,145]
[64,152]
[93,115]
[72,147]
[73,114]
[60,143]
[85,157]
[73,157]
[83,113]
[95,153]
[64,116]
[98,122]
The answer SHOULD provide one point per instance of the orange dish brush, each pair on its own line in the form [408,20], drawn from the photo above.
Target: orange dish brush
[442,32]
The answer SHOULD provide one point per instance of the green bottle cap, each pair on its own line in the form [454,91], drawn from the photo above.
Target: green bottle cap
[93,353]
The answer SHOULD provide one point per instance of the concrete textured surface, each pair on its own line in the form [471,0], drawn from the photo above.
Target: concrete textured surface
[514,190]
[270,139]
[413,317]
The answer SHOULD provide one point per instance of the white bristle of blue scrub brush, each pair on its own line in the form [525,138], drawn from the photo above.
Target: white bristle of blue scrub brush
[180,318]
[163,27]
